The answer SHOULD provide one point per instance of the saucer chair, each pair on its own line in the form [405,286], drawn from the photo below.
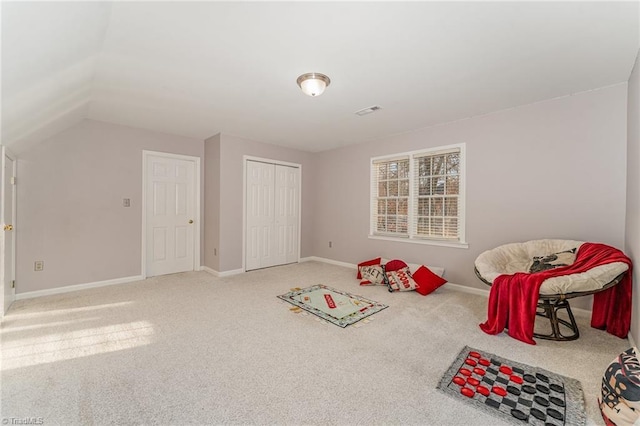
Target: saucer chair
[540,255]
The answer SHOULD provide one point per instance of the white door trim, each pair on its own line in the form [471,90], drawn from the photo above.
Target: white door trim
[246,158]
[196,238]
[6,153]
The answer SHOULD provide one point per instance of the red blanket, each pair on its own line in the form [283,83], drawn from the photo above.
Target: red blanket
[513,298]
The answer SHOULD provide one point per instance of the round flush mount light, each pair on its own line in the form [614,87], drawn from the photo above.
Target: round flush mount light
[313,83]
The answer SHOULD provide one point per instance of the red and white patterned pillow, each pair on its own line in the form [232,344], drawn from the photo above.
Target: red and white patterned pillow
[373,275]
[620,391]
[375,261]
[401,280]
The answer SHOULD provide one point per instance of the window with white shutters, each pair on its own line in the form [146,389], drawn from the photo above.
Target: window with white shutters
[419,196]
[391,182]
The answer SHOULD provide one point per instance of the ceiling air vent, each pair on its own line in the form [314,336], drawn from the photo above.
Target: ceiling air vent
[368,110]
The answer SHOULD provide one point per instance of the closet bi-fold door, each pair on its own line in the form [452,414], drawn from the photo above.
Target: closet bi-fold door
[272,215]
[260,206]
[286,214]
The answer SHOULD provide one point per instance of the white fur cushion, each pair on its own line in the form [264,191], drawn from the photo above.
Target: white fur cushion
[518,257]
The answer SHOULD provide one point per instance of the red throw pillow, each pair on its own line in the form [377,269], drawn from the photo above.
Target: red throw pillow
[394,265]
[375,261]
[427,281]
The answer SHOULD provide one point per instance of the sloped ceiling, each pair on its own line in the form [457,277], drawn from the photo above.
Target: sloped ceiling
[201,68]
[49,54]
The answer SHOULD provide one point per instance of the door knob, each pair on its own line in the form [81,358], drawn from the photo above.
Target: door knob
[190,221]
[8,227]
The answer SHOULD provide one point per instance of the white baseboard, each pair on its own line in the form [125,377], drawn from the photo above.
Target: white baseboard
[223,273]
[581,311]
[209,270]
[76,287]
[631,341]
[231,272]
[485,293]
[465,289]
[329,261]
[457,287]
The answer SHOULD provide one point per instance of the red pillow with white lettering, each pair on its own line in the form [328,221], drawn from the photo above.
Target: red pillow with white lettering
[401,280]
[427,281]
[373,275]
[371,262]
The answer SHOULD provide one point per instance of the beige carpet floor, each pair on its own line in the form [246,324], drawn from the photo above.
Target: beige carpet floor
[194,349]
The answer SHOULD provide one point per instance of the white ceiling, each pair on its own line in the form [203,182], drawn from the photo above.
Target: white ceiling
[200,68]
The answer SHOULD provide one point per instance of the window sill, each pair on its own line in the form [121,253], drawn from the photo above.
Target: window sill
[421,241]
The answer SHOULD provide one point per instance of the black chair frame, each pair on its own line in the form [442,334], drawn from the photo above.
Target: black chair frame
[550,304]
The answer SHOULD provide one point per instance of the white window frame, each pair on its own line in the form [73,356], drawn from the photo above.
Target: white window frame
[411,236]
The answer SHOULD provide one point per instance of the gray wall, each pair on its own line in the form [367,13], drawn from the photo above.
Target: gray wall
[211,218]
[232,150]
[554,169]
[69,204]
[632,241]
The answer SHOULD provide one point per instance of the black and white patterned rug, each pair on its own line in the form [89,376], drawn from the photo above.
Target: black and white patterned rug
[516,392]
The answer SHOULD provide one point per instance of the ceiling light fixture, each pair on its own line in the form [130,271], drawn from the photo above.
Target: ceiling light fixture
[313,83]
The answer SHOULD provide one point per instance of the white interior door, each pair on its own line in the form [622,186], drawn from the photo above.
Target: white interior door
[272,214]
[260,218]
[7,239]
[170,215]
[287,216]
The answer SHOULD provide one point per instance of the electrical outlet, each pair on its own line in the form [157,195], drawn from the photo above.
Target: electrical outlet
[38,265]
[330,244]
[126,202]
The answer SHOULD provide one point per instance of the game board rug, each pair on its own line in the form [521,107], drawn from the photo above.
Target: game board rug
[335,306]
[516,392]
